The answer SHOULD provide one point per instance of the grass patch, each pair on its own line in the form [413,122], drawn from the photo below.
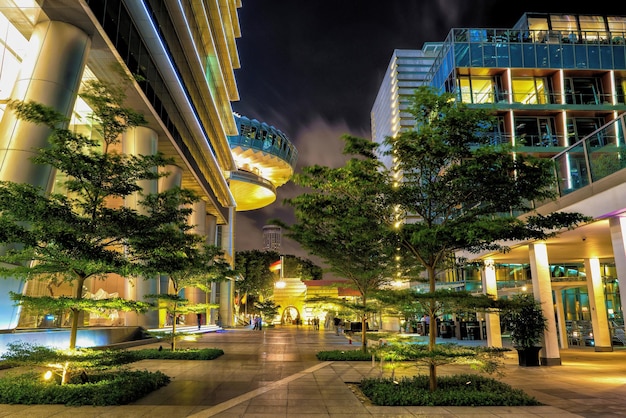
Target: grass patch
[457,390]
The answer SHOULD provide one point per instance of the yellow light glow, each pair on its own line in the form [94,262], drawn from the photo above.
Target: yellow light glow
[280,284]
[47,375]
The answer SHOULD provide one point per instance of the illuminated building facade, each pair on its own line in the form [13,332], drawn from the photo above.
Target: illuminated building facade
[176,60]
[556,83]
[408,69]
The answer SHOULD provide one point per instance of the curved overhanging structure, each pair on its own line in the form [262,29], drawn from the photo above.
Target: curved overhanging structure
[265,160]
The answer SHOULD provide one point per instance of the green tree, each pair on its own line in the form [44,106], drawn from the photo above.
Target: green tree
[458,192]
[173,250]
[269,309]
[256,280]
[76,233]
[343,218]
[306,269]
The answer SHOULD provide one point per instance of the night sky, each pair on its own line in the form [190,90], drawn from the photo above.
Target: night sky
[312,69]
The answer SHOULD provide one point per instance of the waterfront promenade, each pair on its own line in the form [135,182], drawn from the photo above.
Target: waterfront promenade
[275,373]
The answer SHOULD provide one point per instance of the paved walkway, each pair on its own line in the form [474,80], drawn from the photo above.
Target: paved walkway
[274,373]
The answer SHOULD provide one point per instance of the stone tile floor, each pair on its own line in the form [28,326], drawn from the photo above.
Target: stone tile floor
[275,373]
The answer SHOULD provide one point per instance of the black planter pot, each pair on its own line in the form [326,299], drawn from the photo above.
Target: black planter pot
[528,357]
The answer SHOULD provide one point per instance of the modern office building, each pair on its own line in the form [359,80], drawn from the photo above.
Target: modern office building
[176,61]
[407,70]
[556,84]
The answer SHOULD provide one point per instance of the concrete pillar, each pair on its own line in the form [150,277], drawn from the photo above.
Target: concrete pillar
[542,290]
[50,74]
[617,226]
[211,229]
[492,320]
[227,288]
[172,179]
[141,141]
[560,317]
[198,222]
[597,304]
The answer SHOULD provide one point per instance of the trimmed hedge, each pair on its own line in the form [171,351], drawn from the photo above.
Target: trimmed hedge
[115,387]
[95,376]
[456,390]
[347,355]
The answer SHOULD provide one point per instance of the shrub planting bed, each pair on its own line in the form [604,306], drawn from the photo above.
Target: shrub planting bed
[456,390]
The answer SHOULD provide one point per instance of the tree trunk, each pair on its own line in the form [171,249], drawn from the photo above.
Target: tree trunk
[432,330]
[76,313]
[364,329]
[174,319]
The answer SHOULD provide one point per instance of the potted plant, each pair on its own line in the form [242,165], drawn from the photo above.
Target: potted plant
[525,320]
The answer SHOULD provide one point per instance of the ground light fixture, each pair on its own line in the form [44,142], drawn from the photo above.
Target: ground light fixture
[58,369]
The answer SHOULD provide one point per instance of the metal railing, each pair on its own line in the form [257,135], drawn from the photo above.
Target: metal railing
[599,154]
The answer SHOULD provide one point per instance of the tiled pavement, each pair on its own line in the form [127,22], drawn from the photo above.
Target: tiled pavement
[274,373]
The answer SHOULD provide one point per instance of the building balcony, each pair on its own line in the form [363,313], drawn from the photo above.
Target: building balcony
[265,160]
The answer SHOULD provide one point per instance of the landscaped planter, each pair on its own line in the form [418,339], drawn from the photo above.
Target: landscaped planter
[528,357]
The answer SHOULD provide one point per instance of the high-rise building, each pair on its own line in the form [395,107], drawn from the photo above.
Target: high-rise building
[407,70]
[176,61]
[556,83]
[271,237]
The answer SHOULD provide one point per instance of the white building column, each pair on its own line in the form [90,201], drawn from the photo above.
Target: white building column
[617,226]
[560,317]
[172,179]
[50,74]
[211,231]
[597,304]
[542,291]
[197,220]
[492,320]
[141,141]
[227,287]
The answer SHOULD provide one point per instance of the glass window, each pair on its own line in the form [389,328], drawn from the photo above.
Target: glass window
[579,128]
[564,23]
[593,28]
[616,23]
[535,132]
[530,90]
[465,89]
[538,23]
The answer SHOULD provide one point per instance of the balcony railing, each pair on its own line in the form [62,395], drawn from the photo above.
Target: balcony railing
[596,156]
[500,36]
[540,98]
